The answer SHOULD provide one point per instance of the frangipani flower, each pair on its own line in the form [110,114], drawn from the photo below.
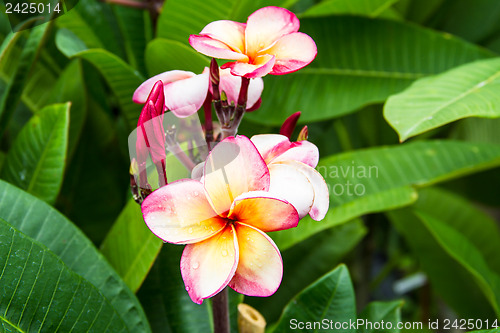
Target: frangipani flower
[293,177]
[269,43]
[185,91]
[223,220]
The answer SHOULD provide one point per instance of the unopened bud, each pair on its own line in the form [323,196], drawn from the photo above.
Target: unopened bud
[289,125]
[214,72]
[304,134]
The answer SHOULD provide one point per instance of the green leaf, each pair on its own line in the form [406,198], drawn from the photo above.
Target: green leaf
[384,178]
[360,61]
[39,292]
[122,79]
[450,252]
[376,312]
[36,87]
[421,11]
[331,298]
[36,160]
[11,95]
[371,8]
[95,24]
[8,44]
[308,261]
[480,228]
[132,24]
[71,88]
[466,91]
[44,224]
[165,55]
[130,247]
[476,21]
[165,300]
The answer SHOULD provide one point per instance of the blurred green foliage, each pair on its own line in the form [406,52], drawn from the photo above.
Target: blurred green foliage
[386,70]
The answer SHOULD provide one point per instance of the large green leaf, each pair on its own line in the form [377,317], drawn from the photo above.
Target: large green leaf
[44,224]
[71,88]
[330,298]
[122,79]
[95,24]
[165,55]
[480,228]
[476,21]
[11,95]
[421,11]
[36,88]
[470,90]
[93,167]
[36,160]
[360,61]
[130,246]
[384,178]
[371,8]
[132,23]
[451,252]
[376,312]
[40,292]
[308,261]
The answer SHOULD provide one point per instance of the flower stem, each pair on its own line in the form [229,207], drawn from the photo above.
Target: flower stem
[242,97]
[175,149]
[232,128]
[162,177]
[220,310]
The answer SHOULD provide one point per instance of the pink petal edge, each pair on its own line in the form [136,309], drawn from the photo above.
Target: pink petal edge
[142,92]
[176,220]
[185,97]
[292,52]
[228,32]
[215,48]
[204,267]
[260,267]
[266,25]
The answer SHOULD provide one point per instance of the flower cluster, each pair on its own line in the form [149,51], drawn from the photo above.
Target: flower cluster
[245,187]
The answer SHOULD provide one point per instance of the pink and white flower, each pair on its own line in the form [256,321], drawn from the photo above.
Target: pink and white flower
[269,43]
[185,91]
[293,177]
[223,220]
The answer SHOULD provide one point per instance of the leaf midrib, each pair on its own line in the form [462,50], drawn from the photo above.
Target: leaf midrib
[10,324]
[334,292]
[42,157]
[454,100]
